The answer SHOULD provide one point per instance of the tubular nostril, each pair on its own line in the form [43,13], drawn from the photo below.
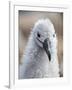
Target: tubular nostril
[49,43]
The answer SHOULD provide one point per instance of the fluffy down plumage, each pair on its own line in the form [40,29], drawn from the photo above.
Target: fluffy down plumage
[36,63]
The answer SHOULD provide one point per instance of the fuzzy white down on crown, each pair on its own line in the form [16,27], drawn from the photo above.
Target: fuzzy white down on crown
[46,29]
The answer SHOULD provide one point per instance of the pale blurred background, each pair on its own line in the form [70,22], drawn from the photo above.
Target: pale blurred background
[27,20]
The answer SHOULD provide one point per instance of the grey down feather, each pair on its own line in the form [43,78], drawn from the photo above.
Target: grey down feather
[40,58]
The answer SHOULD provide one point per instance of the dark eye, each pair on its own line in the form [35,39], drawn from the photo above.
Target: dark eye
[38,35]
[53,35]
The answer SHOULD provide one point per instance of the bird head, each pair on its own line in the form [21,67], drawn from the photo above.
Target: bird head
[44,35]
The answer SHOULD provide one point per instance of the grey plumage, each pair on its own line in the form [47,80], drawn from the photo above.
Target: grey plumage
[36,61]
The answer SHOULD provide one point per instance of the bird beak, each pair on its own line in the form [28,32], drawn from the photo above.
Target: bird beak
[46,48]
